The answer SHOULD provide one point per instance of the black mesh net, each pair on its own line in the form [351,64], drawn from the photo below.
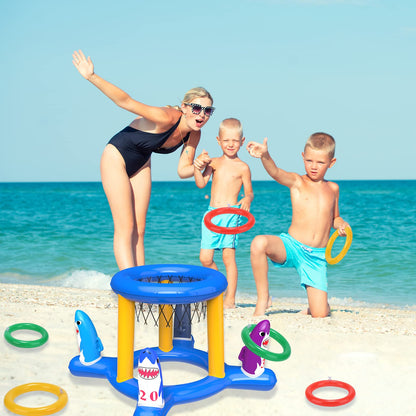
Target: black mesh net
[149,313]
[169,279]
[167,314]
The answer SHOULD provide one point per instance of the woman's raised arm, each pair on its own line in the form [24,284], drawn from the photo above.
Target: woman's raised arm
[86,68]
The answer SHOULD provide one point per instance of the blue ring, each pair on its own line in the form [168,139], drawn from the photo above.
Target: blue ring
[141,284]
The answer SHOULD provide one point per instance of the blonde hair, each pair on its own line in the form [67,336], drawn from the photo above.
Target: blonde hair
[231,123]
[197,92]
[321,141]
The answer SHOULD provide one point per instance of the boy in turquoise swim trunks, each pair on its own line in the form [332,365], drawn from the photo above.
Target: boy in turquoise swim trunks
[314,212]
[229,174]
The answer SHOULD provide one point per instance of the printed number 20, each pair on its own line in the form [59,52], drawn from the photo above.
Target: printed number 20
[153,395]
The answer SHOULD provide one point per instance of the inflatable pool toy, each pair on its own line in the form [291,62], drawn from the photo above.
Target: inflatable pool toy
[228,230]
[169,286]
[23,343]
[261,352]
[340,256]
[252,364]
[9,399]
[90,346]
[329,383]
[149,376]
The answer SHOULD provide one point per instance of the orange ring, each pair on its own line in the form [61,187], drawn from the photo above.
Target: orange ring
[9,399]
[348,241]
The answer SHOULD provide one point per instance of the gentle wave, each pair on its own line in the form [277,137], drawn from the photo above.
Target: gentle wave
[80,279]
[91,279]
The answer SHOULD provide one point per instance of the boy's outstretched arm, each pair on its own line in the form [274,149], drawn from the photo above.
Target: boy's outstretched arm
[201,162]
[260,150]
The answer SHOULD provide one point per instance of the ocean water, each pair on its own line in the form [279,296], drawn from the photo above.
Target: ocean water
[60,234]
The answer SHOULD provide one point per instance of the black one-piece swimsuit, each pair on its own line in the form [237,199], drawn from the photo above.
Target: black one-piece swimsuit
[137,146]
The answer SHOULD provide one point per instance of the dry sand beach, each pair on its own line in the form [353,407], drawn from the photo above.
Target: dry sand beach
[372,349]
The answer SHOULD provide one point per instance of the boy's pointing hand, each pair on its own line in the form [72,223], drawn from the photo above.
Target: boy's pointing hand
[257,149]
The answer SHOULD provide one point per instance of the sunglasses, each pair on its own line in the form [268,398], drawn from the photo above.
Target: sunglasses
[197,108]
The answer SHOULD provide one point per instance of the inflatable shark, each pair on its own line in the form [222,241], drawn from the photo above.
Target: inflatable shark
[251,364]
[149,376]
[90,346]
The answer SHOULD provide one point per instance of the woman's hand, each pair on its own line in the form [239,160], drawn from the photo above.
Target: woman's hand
[84,65]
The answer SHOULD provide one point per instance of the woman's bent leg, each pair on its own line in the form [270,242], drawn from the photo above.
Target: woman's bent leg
[117,188]
[141,184]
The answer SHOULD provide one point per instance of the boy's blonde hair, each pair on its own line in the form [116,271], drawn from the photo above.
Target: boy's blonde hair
[231,123]
[321,141]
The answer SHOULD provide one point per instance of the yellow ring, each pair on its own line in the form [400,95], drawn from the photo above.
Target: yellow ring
[328,255]
[35,411]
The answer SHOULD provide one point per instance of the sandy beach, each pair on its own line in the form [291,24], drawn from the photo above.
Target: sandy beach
[371,349]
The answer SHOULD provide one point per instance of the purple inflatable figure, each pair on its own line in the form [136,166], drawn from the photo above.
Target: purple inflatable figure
[251,364]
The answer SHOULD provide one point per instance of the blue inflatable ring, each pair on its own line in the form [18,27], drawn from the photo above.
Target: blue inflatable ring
[186,284]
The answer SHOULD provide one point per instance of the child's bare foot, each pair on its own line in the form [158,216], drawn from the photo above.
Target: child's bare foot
[262,306]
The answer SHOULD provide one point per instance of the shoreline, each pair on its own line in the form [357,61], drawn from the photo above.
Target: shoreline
[242,299]
[371,349]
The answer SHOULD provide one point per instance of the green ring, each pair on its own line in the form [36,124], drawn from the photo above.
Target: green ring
[261,352]
[22,343]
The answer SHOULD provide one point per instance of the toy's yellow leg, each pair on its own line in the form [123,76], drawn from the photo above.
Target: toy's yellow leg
[215,321]
[165,327]
[125,355]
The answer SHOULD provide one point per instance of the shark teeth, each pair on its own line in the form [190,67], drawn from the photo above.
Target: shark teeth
[147,373]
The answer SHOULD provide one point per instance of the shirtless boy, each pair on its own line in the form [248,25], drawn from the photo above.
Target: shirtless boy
[229,174]
[314,212]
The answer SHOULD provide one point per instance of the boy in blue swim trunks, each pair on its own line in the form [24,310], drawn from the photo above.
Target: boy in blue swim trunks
[314,212]
[229,174]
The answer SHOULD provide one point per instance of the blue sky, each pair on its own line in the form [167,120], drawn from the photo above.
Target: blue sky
[285,68]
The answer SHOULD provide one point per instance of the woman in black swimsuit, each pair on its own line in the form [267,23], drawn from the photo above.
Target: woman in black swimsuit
[125,163]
